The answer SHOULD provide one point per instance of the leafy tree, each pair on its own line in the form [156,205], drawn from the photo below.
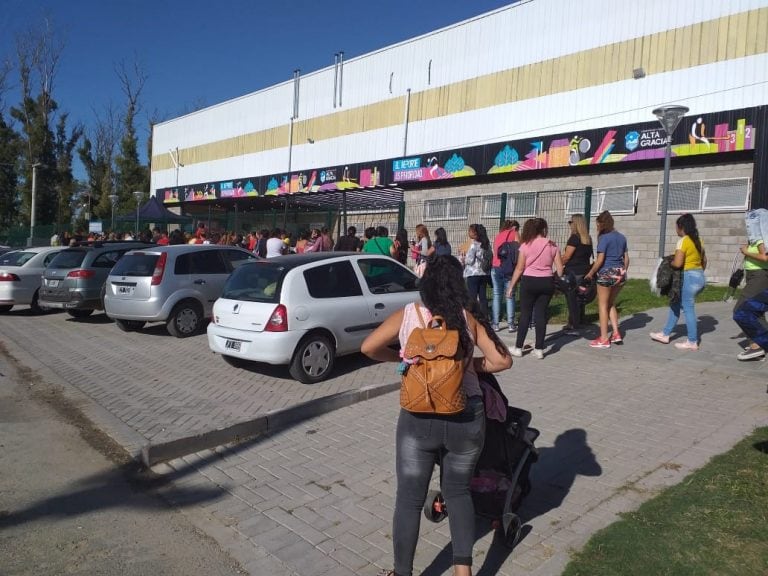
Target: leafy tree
[131,175]
[9,155]
[38,56]
[97,153]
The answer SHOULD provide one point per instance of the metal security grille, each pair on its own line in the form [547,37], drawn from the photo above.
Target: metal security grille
[725,195]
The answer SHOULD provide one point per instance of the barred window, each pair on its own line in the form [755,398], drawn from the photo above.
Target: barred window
[521,204]
[574,202]
[726,195]
[445,209]
[492,206]
[617,200]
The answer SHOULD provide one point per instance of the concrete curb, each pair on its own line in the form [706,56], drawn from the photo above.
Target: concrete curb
[152,454]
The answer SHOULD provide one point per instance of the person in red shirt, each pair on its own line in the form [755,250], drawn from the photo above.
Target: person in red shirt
[500,280]
[163,240]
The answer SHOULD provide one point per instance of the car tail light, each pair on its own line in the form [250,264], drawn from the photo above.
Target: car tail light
[157,273]
[278,322]
[8,277]
[84,274]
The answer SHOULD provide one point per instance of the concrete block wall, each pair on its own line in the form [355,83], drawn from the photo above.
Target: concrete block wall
[721,232]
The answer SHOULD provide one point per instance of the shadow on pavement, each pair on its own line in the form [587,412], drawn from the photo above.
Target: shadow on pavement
[97,318]
[99,492]
[551,478]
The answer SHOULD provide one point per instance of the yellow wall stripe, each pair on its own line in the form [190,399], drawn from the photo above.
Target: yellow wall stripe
[726,38]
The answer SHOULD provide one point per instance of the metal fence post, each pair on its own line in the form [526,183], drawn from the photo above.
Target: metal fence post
[588,205]
[400,215]
[503,210]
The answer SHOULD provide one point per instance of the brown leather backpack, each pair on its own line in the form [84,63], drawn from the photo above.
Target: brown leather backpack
[432,383]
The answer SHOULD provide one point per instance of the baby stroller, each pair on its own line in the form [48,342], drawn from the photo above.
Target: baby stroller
[501,475]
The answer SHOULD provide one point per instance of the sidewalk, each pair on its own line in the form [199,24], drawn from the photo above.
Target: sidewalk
[617,426]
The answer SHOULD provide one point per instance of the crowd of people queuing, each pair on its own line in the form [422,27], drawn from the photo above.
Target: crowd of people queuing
[523,269]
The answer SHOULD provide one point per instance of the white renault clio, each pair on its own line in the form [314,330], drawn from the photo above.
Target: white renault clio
[305,309]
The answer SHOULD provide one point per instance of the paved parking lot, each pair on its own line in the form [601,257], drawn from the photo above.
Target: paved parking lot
[316,498]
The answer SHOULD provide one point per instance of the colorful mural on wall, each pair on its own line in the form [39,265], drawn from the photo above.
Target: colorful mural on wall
[716,133]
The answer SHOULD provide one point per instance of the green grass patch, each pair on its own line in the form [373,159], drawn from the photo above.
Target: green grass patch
[636,296]
[715,522]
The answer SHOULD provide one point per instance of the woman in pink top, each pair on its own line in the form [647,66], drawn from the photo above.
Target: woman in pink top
[534,271]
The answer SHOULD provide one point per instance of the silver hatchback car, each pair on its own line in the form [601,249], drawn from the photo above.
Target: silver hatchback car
[173,284]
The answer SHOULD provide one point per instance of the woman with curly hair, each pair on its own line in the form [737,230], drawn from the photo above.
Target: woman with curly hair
[690,257]
[422,438]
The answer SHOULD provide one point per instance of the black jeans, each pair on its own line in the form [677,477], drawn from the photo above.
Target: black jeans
[535,294]
[421,440]
[575,308]
[478,290]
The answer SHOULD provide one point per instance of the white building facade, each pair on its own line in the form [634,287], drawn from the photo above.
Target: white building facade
[537,96]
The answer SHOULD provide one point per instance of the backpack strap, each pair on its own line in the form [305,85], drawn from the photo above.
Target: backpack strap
[418,313]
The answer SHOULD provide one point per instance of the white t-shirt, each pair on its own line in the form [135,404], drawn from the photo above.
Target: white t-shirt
[275,247]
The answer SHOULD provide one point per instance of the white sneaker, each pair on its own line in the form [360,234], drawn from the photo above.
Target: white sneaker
[538,353]
[516,352]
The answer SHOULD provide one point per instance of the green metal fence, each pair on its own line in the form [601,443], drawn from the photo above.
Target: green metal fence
[455,213]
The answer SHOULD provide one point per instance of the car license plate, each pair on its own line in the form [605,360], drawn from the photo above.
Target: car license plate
[127,290]
[53,283]
[233,345]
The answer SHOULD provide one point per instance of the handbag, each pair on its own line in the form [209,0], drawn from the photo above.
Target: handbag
[432,382]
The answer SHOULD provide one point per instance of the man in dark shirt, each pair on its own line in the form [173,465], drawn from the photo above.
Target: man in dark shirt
[348,243]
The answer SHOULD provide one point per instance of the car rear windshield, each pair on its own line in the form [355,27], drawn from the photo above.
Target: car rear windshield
[16,258]
[68,259]
[135,265]
[255,282]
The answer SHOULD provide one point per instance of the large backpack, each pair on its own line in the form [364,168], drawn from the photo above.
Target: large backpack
[432,383]
[507,254]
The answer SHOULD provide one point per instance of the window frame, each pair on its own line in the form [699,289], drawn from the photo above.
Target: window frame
[703,190]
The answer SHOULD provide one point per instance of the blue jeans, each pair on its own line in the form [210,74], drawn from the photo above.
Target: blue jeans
[421,439]
[693,283]
[500,285]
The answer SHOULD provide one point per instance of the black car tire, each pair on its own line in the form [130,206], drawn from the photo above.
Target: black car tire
[313,359]
[5,308]
[129,325]
[77,313]
[185,320]
[34,306]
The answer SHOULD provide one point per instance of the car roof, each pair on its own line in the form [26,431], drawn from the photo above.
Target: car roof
[36,249]
[96,244]
[174,248]
[295,260]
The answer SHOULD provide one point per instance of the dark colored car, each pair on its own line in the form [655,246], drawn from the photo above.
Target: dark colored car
[74,280]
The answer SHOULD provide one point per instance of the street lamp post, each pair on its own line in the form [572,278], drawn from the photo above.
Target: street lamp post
[669,117]
[35,166]
[113,201]
[138,194]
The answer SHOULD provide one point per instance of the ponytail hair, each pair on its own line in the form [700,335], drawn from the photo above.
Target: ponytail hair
[687,223]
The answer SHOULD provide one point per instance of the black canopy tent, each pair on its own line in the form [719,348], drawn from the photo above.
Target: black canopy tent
[154,211]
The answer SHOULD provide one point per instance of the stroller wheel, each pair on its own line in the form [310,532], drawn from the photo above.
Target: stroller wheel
[512,527]
[434,507]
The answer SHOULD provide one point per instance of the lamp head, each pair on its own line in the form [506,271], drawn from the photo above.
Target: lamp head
[670,116]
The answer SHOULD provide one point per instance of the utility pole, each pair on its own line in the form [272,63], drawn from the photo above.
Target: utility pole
[30,240]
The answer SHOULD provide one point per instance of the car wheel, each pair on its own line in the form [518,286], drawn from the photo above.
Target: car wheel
[129,325]
[185,320]
[235,362]
[5,308]
[35,304]
[313,360]
[79,313]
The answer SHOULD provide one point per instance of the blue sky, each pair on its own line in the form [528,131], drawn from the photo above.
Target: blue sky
[198,52]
